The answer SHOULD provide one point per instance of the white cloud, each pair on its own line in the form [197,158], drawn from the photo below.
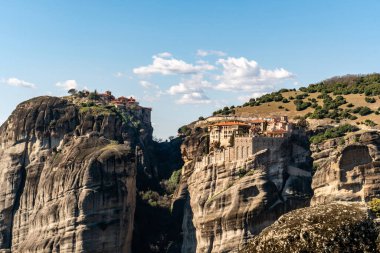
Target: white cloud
[204,53]
[194,98]
[170,66]
[195,83]
[67,85]
[147,85]
[13,81]
[180,88]
[240,74]
[164,55]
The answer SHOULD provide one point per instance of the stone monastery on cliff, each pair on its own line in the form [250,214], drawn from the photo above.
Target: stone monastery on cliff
[238,140]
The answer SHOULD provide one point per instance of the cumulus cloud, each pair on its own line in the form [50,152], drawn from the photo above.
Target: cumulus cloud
[67,85]
[198,79]
[195,83]
[241,74]
[204,53]
[191,90]
[13,81]
[194,98]
[168,65]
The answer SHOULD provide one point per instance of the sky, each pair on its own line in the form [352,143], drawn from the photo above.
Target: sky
[185,59]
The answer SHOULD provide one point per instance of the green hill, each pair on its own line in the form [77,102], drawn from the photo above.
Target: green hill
[345,99]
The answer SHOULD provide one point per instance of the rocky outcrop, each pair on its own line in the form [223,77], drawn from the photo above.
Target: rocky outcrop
[227,203]
[334,227]
[347,168]
[67,178]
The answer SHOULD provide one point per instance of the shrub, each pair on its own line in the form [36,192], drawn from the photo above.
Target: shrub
[365,111]
[333,133]
[374,206]
[369,123]
[172,183]
[370,100]
[301,105]
[350,105]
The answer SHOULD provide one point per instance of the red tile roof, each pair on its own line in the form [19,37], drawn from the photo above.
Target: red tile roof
[230,123]
[257,121]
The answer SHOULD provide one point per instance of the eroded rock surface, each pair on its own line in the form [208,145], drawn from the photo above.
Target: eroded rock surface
[348,168]
[226,204]
[67,179]
[334,227]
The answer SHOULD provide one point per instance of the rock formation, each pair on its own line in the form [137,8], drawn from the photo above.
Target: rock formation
[347,168]
[67,178]
[346,176]
[334,227]
[227,203]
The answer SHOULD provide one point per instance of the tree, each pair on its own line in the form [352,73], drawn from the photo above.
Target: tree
[93,95]
[72,91]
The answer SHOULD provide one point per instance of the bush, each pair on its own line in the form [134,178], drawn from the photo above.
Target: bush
[350,105]
[369,123]
[301,105]
[374,206]
[365,111]
[333,133]
[172,183]
[370,100]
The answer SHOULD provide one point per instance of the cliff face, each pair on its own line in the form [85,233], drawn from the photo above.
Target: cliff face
[227,203]
[347,168]
[67,178]
[346,176]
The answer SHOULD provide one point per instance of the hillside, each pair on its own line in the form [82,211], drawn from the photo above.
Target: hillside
[350,99]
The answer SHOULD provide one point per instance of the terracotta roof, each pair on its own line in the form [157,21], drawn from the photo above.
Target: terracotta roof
[230,123]
[257,121]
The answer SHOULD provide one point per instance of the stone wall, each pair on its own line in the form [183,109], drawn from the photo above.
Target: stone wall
[260,143]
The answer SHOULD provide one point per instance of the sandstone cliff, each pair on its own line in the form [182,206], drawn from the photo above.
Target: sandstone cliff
[67,177]
[346,177]
[347,168]
[227,203]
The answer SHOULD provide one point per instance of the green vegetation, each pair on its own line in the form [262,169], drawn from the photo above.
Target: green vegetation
[301,105]
[225,111]
[369,123]
[370,100]
[151,197]
[374,206]
[362,110]
[93,95]
[333,133]
[97,109]
[184,130]
[349,84]
[172,183]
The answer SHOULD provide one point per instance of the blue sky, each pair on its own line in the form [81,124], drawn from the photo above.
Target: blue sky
[183,58]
